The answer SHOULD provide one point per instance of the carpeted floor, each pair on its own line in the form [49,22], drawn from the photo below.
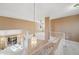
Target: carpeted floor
[71,48]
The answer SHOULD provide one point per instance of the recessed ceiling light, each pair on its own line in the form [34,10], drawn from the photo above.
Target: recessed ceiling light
[76,5]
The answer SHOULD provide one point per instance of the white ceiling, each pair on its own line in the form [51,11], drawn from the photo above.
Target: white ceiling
[26,10]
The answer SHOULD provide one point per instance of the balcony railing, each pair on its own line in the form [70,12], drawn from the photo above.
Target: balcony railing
[51,46]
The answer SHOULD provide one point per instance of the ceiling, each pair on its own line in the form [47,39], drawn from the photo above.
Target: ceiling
[26,10]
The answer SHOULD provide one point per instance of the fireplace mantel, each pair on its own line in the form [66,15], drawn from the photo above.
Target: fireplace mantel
[10,32]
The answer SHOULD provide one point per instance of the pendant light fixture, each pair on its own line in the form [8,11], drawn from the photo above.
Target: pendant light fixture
[34,38]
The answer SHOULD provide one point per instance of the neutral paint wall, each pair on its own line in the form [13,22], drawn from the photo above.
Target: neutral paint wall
[69,25]
[12,23]
[47,34]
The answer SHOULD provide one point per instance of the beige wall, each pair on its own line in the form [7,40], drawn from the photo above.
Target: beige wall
[69,25]
[3,42]
[12,23]
[47,34]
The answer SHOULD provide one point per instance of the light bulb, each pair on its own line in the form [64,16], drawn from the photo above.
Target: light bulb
[33,41]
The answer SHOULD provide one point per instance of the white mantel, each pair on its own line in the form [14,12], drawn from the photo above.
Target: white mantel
[10,32]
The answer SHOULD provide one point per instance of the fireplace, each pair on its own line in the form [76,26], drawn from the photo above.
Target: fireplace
[11,37]
[12,40]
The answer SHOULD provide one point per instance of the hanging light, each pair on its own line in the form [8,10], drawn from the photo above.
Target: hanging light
[33,41]
[34,38]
